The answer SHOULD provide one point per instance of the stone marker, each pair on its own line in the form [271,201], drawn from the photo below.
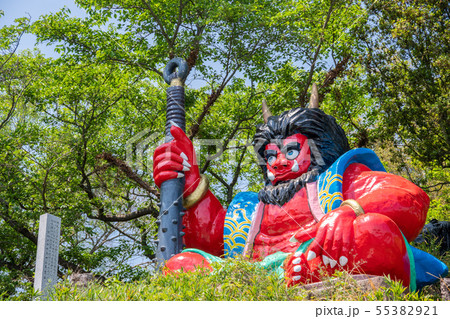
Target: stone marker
[47,253]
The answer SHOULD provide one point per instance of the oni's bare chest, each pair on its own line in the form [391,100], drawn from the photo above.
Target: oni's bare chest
[279,224]
[290,217]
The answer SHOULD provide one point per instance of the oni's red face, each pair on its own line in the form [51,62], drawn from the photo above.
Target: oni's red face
[289,162]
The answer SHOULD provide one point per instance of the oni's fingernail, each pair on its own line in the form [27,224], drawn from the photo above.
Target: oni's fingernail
[296,261]
[185,163]
[297,268]
[296,278]
[293,240]
[333,263]
[184,156]
[325,260]
[173,123]
[185,169]
[343,261]
[180,175]
[298,254]
[311,255]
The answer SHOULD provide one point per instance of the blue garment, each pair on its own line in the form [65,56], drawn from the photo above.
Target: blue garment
[238,220]
[428,268]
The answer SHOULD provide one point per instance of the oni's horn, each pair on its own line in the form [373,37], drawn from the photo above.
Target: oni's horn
[314,100]
[265,111]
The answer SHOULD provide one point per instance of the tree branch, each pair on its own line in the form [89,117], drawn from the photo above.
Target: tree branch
[128,172]
[332,75]
[159,23]
[316,54]
[126,217]
[17,226]
[175,34]
[21,229]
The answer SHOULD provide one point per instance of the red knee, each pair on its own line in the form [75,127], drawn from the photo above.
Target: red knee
[380,248]
[186,262]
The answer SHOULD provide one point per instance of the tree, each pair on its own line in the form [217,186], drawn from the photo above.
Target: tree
[15,264]
[69,115]
[407,65]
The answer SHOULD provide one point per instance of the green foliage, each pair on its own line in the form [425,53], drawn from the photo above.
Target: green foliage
[408,45]
[230,281]
[395,291]
[60,122]
[440,208]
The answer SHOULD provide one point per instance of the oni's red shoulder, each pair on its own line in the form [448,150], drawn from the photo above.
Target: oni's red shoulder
[391,195]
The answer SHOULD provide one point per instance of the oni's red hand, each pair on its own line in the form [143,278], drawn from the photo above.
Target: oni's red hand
[176,159]
[334,238]
[296,269]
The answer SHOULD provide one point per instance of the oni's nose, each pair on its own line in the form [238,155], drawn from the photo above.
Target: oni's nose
[281,161]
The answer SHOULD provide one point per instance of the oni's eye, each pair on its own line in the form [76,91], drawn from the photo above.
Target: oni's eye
[271,159]
[290,155]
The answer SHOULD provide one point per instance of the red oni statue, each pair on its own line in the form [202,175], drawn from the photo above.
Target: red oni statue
[324,207]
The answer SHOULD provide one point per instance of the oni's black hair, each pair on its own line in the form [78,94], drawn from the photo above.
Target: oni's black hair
[326,138]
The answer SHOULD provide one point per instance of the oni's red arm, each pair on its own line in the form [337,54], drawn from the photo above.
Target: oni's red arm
[389,195]
[204,225]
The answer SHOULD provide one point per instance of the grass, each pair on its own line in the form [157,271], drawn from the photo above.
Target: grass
[233,280]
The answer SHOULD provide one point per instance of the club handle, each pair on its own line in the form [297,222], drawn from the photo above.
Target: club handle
[170,234]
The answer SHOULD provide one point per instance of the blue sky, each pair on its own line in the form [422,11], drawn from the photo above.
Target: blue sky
[34,8]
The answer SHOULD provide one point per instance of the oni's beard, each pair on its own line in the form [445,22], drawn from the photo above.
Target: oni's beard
[284,191]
